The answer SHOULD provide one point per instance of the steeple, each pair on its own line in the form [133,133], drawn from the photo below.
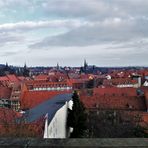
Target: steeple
[85,63]
[25,70]
[58,67]
[6,64]
[6,67]
[25,66]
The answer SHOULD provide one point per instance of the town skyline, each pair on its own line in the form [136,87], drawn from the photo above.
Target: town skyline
[79,65]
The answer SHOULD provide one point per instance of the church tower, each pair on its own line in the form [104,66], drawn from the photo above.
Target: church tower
[85,65]
[58,67]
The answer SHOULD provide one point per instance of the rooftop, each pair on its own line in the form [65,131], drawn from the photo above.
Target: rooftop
[31,99]
[50,106]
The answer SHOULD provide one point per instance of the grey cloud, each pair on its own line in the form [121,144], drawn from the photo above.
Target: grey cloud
[7,38]
[32,25]
[8,53]
[95,9]
[119,25]
[74,8]
[14,3]
[113,21]
[132,7]
[115,30]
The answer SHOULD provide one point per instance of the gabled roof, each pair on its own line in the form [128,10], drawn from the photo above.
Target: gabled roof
[120,81]
[12,78]
[113,98]
[21,78]
[31,99]
[41,77]
[50,106]
[116,91]
[9,78]
[4,78]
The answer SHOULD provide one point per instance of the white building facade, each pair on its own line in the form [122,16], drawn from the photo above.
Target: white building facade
[57,128]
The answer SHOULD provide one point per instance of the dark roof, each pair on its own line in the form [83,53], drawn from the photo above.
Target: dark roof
[50,106]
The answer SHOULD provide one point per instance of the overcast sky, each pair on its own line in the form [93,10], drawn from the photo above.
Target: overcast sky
[44,32]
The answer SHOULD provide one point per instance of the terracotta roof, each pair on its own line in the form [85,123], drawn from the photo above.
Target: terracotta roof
[21,78]
[43,84]
[5,92]
[119,98]
[12,78]
[8,115]
[146,97]
[31,99]
[10,127]
[41,77]
[108,102]
[120,81]
[4,78]
[116,91]
[145,117]
[50,106]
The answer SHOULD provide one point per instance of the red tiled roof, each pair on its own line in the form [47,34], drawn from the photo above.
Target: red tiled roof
[110,98]
[146,97]
[119,103]
[116,91]
[9,126]
[8,115]
[31,99]
[145,117]
[12,78]
[43,84]
[5,92]
[72,81]
[4,78]
[21,78]
[120,81]
[41,77]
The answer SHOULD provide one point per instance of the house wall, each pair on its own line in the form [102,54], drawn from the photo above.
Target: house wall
[145,83]
[128,85]
[57,127]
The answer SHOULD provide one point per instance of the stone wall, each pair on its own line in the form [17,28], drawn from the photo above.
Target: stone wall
[83,143]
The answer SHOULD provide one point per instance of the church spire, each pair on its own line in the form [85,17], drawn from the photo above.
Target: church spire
[25,66]
[6,64]
[25,70]
[85,65]
[58,67]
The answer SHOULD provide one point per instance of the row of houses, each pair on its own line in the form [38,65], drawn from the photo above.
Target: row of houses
[44,99]
[44,110]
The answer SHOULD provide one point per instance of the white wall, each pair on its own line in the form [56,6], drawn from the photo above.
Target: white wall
[51,88]
[57,127]
[128,85]
[145,83]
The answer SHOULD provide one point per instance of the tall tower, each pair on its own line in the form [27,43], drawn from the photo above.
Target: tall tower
[25,66]
[25,70]
[58,67]
[85,65]
[6,66]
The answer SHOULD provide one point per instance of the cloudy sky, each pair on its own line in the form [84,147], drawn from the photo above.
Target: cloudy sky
[44,32]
